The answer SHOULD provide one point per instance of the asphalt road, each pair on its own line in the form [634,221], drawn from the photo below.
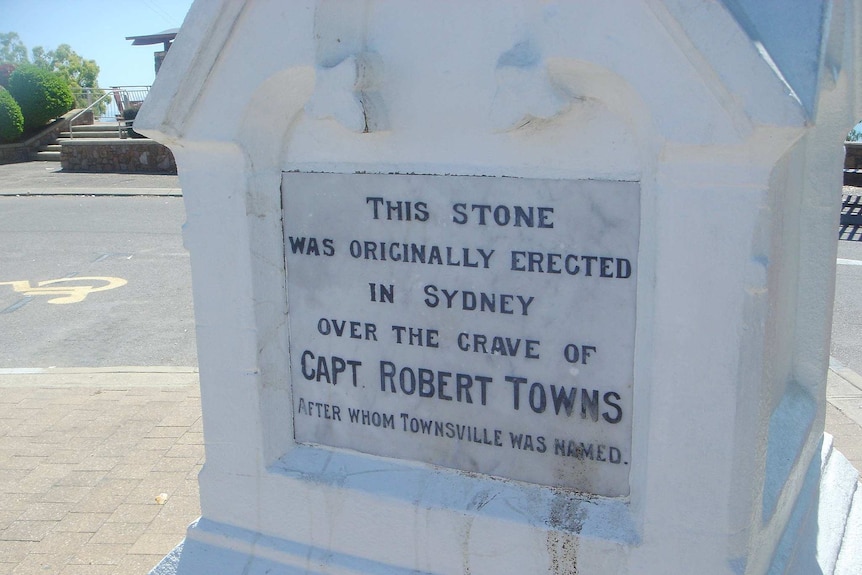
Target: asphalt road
[146,321]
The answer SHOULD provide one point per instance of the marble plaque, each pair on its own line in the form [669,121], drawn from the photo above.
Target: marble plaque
[479,323]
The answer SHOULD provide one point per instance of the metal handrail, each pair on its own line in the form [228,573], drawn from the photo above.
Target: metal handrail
[106,95]
[131,95]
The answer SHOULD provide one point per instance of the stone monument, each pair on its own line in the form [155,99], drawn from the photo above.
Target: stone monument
[514,287]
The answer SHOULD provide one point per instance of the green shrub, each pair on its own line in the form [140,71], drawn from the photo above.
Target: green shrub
[6,70]
[42,95]
[11,119]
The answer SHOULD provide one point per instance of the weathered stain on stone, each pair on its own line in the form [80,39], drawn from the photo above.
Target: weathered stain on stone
[566,519]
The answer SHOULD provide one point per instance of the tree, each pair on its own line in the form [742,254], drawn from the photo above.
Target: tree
[6,71]
[41,94]
[80,73]
[12,50]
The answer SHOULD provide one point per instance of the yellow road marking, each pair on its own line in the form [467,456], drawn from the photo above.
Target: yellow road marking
[65,293]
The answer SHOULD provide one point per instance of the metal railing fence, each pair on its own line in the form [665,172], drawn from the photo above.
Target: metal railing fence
[108,104]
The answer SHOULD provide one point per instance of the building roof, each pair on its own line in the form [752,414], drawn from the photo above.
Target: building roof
[160,38]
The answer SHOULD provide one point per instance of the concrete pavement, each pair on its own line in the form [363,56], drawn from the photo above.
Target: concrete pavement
[47,179]
[98,467]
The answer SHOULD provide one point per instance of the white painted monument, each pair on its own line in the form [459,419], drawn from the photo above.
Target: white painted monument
[514,287]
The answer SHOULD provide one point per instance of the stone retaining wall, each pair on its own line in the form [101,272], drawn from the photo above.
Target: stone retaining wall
[130,156]
[14,153]
[26,150]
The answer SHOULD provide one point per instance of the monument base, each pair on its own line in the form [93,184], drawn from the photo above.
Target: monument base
[823,536]
[824,533]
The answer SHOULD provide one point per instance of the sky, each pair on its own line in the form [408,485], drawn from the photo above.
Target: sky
[97,30]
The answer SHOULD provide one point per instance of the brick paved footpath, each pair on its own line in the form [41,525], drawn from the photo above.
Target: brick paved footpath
[83,456]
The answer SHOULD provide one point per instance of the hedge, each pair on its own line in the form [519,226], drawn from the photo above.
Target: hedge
[11,119]
[6,70]
[42,95]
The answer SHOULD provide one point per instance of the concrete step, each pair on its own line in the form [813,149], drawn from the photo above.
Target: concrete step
[837,491]
[850,557]
[48,156]
[92,134]
[51,148]
[99,127]
[822,532]
[88,139]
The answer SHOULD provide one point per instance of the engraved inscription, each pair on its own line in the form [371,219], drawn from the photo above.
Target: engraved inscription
[481,324]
